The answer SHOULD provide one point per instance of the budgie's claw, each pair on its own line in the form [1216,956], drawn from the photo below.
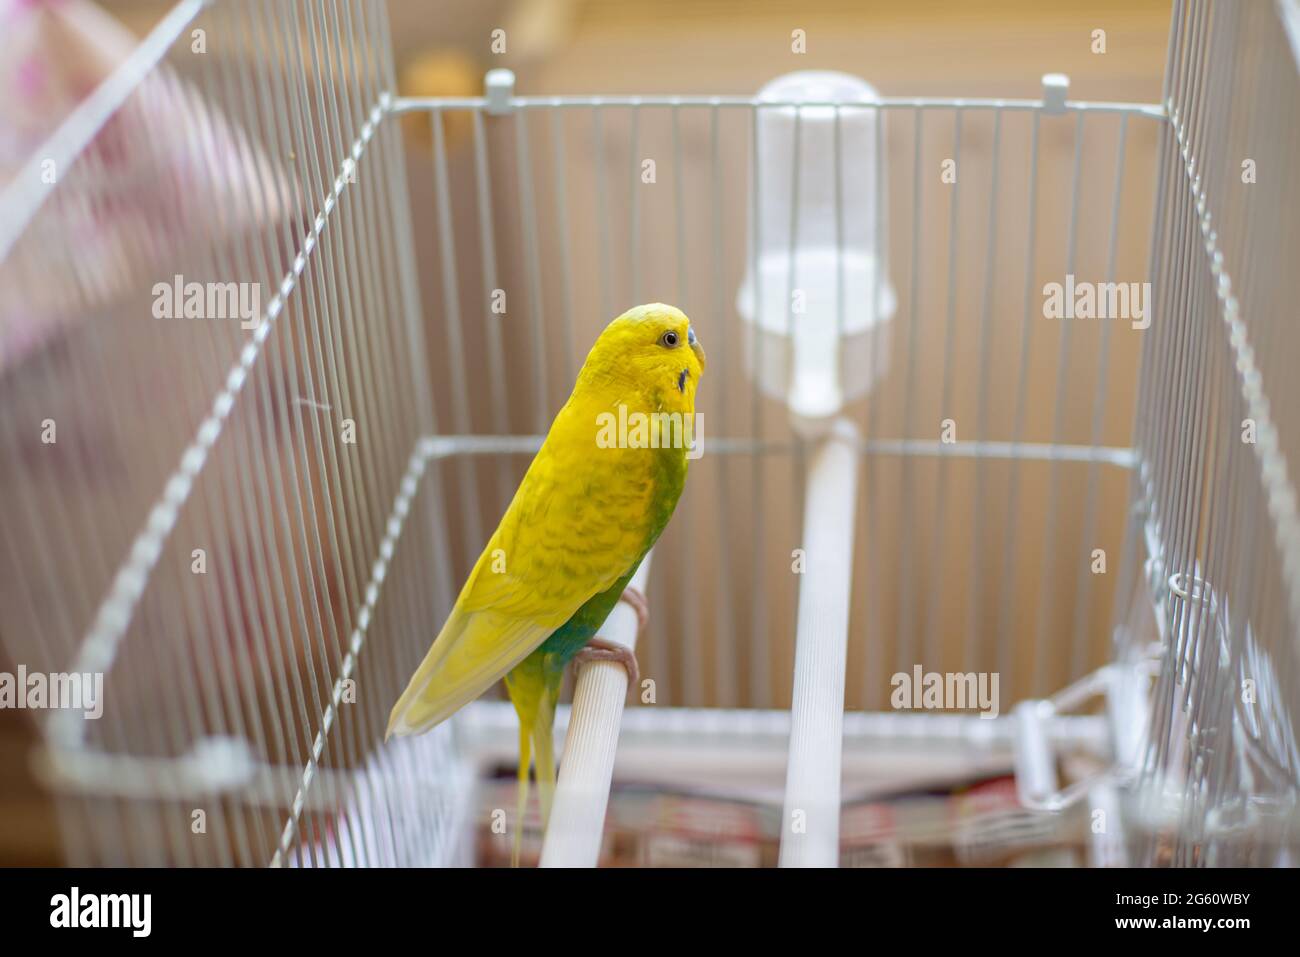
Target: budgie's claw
[598,649]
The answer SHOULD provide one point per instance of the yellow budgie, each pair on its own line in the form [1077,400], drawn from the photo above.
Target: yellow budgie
[592,503]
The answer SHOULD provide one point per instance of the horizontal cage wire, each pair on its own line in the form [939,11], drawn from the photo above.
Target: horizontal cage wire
[254,529]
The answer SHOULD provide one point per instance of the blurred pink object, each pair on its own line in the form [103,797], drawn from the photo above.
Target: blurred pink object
[164,171]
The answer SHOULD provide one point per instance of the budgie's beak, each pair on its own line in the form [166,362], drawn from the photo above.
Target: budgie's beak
[696,347]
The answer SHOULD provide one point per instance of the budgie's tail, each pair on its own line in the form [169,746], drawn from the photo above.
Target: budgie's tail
[544,743]
[525,738]
[534,689]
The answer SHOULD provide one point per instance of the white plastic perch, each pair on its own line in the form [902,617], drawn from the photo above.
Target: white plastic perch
[818,299]
[577,822]
[810,826]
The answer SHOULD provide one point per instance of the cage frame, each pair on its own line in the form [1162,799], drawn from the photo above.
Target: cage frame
[1039,726]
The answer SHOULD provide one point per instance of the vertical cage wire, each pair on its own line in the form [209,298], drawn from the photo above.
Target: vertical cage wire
[231,507]
[1216,498]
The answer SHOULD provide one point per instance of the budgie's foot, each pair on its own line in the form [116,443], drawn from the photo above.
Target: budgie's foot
[598,649]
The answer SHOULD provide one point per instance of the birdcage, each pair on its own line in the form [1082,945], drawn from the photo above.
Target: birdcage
[994,407]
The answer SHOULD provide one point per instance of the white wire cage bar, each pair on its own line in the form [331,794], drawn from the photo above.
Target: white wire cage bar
[1214,521]
[338,466]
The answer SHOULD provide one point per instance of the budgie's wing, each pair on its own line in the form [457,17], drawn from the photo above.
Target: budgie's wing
[473,650]
[554,550]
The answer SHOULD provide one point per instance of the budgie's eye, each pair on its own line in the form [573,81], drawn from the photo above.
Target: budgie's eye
[669,338]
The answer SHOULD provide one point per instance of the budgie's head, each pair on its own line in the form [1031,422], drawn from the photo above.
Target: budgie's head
[653,348]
